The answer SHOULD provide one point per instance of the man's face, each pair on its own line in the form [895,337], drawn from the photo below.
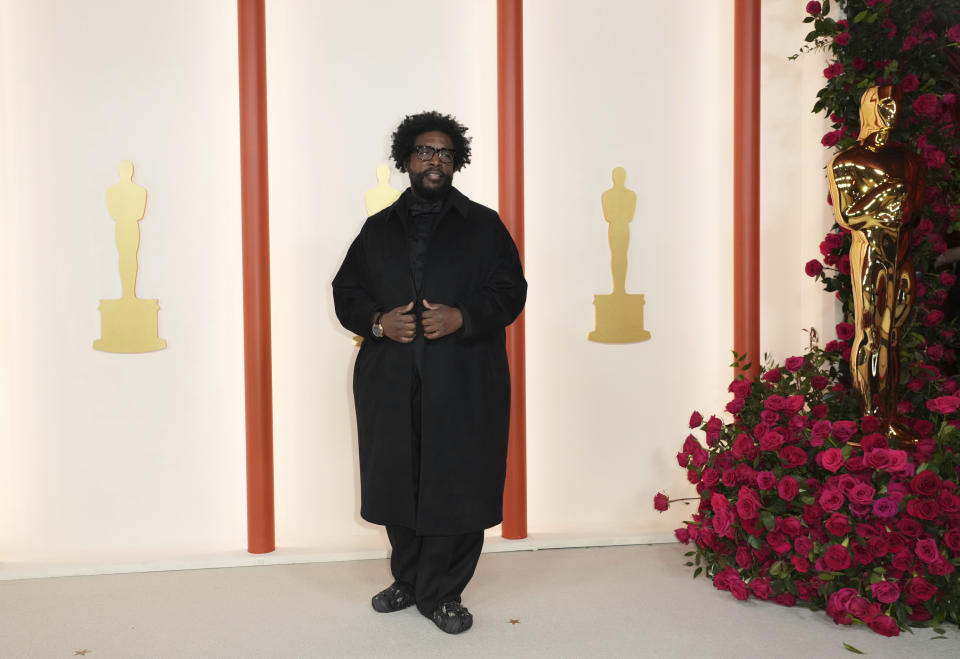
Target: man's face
[430,179]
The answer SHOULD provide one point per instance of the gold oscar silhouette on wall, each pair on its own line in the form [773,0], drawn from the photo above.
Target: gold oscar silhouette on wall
[383,194]
[130,323]
[377,198]
[619,316]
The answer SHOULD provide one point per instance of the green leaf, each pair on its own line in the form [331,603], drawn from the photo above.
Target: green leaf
[826,7]
[862,15]
[850,648]
[768,520]
[753,541]
[940,630]
[690,553]
[825,576]
[937,638]
[689,563]
[696,573]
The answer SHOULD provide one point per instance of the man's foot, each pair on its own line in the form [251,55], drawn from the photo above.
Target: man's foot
[392,598]
[452,617]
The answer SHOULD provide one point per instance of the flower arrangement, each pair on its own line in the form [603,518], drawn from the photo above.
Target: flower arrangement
[801,500]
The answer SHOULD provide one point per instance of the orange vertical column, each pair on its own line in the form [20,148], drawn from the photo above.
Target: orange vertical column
[256,276]
[510,111]
[746,182]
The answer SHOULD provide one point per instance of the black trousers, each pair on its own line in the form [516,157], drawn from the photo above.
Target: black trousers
[433,568]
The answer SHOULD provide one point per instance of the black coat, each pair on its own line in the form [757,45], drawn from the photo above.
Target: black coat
[473,264]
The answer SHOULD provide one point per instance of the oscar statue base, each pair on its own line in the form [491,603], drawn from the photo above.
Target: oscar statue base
[619,319]
[129,325]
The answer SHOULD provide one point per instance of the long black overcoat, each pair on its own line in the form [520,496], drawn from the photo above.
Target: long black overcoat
[471,263]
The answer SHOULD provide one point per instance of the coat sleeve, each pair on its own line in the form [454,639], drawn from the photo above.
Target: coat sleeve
[500,299]
[352,300]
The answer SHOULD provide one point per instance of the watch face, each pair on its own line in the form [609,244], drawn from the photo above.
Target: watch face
[378,330]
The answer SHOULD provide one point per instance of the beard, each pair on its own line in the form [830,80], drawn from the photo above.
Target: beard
[430,192]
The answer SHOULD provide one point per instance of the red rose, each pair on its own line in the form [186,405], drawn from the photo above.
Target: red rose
[661,502]
[845,331]
[813,513]
[862,494]
[887,592]
[736,405]
[909,83]
[788,488]
[803,545]
[760,587]
[926,550]
[722,521]
[773,375]
[842,39]
[844,430]
[794,364]
[800,563]
[683,535]
[779,542]
[830,459]
[928,105]
[696,419]
[926,483]
[710,477]
[952,539]
[885,507]
[941,568]
[814,8]
[831,138]
[884,625]
[748,503]
[935,317]
[834,70]
[831,498]
[718,502]
[836,558]
[921,589]
[739,589]
[953,32]
[792,456]
[949,503]
[838,525]
[813,268]
[923,508]
[944,404]
[766,480]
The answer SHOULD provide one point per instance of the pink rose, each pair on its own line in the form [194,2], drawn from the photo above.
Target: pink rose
[885,507]
[813,268]
[788,488]
[661,502]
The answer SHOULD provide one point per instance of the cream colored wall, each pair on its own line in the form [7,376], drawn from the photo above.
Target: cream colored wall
[108,459]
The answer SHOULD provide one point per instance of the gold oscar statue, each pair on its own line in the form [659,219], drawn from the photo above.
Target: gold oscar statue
[381,196]
[619,316]
[130,323]
[877,191]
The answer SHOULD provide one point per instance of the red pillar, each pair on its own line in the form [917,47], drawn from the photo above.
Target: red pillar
[256,276]
[510,112]
[746,182]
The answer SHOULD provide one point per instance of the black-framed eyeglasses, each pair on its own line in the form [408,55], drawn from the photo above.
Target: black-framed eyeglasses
[425,153]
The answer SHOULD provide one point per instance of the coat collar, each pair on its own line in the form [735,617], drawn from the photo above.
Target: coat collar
[457,201]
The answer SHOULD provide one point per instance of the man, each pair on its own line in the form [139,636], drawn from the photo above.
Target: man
[430,283]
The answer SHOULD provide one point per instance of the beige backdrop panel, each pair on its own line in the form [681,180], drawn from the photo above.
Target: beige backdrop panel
[342,76]
[621,84]
[104,457]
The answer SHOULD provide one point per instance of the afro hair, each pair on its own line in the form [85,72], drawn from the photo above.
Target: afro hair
[416,124]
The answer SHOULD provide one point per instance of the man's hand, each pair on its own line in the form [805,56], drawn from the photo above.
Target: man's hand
[440,320]
[399,324]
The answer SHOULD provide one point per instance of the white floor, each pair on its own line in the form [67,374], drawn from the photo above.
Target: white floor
[632,601]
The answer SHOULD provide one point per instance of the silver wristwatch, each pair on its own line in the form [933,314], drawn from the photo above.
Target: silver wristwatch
[377,329]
